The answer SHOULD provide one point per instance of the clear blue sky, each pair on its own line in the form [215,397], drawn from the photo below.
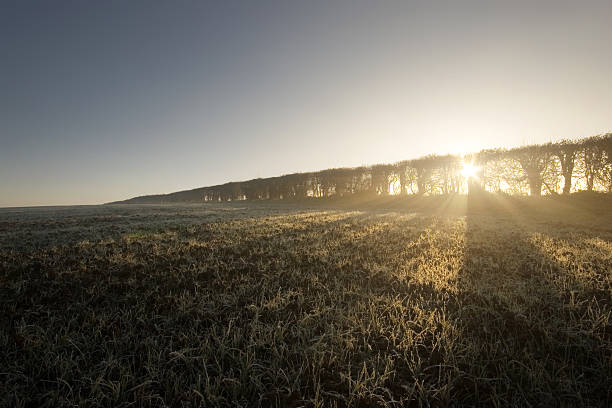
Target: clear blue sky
[105,100]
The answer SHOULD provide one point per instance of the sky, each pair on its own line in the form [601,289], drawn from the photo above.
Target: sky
[107,100]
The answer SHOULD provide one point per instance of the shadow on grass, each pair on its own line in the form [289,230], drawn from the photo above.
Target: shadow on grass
[542,336]
[464,304]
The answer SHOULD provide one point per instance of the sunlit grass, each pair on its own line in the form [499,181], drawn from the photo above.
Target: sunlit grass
[497,303]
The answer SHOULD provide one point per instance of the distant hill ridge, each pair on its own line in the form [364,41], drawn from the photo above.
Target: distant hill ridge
[552,168]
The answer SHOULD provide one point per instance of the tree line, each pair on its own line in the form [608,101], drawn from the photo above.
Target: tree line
[552,168]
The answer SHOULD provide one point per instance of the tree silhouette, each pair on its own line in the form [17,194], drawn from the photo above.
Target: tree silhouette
[566,152]
[534,161]
[535,169]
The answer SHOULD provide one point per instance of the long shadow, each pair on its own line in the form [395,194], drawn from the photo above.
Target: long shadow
[238,303]
[525,315]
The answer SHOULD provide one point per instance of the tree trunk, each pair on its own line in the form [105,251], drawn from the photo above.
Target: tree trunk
[421,187]
[474,186]
[589,181]
[402,180]
[567,184]
[535,186]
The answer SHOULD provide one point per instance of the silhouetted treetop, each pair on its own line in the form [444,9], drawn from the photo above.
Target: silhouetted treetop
[552,168]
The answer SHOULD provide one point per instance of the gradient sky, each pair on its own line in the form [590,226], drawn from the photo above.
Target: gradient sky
[106,100]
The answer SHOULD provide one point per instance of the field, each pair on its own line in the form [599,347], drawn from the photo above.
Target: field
[488,301]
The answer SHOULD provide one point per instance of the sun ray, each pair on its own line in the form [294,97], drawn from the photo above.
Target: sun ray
[470,170]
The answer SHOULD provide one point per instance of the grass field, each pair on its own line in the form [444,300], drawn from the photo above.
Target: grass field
[492,301]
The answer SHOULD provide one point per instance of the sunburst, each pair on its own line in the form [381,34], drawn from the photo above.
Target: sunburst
[470,170]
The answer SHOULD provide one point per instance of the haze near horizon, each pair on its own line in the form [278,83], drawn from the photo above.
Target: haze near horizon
[106,101]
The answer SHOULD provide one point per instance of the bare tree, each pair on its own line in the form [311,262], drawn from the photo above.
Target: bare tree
[423,169]
[566,152]
[592,162]
[529,168]
[534,161]
[606,173]
[401,169]
[380,179]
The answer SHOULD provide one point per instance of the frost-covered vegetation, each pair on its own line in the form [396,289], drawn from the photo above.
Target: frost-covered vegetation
[491,301]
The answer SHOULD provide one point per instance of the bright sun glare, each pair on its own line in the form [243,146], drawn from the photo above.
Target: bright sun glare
[469,170]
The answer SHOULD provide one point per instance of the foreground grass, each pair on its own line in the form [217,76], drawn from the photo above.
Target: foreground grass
[508,306]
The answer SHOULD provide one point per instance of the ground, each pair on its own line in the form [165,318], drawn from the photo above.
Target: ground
[490,301]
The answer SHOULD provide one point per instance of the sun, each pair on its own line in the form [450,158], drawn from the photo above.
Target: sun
[470,170]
